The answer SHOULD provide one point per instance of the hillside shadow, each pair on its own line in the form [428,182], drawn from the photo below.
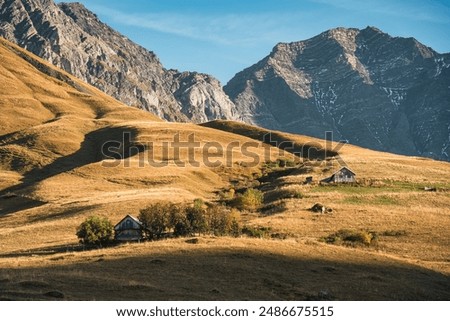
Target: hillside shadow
[307,150]
[229,274]
[106,143]
[44,251]
[12,203]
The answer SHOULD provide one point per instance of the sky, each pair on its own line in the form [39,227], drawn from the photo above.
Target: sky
[222,37]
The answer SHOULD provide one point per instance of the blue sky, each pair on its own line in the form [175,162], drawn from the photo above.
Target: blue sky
[222,37]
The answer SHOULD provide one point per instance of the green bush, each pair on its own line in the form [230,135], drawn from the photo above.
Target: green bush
[252,199]
[351,237]
[96,230]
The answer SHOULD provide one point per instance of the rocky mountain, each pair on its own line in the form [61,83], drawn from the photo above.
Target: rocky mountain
[73,38]
[374,90]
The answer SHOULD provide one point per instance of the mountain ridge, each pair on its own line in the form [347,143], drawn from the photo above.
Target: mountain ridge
[377,91]
[361,84]
[73,38]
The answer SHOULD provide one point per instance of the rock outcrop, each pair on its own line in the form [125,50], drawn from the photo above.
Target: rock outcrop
[74,39]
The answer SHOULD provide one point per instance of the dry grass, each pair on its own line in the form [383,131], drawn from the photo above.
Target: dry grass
[54,177]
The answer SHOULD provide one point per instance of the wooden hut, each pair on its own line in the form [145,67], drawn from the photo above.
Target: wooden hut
[344,175]
[129,229]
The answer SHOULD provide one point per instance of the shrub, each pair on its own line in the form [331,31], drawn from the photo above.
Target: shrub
[222,221]
[251,199]
[351,237]
[286,193]
[95,230]
[199,203]
[394,233]
[274,207]
[257,232]
[280,236]
[227,195]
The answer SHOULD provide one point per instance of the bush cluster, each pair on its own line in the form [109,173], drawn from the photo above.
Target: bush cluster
[163,218]
[280,163]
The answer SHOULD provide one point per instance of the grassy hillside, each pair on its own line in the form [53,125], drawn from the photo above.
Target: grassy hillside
[53,175]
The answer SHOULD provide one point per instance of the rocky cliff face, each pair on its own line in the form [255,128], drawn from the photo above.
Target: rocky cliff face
[73,38]
[369,88]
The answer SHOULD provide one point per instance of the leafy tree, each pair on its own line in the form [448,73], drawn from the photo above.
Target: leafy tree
[176,214]
[219,220]
[182,227]
[156,219]
[235,227]
[178,221]
[96,230]
[196,219]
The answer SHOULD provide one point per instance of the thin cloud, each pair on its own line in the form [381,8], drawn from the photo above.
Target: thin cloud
[426,11]
[230,29]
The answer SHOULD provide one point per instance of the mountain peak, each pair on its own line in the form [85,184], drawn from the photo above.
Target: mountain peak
[377,91]
[372,29]
[76,10]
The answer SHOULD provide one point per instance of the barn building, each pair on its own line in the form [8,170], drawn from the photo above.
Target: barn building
[129,229]
[344,175]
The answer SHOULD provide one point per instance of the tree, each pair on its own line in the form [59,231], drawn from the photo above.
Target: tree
[158,218]
[96,230]
[219,220]
[195,216]
[235,228]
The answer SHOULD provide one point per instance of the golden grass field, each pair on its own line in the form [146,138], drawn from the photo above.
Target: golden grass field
[53,176]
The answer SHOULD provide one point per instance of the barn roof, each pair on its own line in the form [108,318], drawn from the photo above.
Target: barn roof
[127,217]
[330,178]
[342,168]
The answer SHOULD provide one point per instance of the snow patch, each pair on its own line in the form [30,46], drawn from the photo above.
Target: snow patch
[324,98]
[446,146]
[396,95]
[440,65]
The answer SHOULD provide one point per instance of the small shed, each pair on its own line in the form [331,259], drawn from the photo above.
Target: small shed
[344,175]
[129,229]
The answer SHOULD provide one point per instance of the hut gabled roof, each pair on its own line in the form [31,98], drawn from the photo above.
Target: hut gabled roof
[128,217]
[344,168]
[330,178]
